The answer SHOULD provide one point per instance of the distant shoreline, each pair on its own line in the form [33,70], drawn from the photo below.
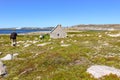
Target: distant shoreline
[7,32]
[31,33]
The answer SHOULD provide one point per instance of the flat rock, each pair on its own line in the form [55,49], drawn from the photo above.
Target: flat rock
[114,35]
[65,45]
[43,44]
[7,57]
[98,71]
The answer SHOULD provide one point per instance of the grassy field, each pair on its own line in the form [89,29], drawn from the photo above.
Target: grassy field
[56,62]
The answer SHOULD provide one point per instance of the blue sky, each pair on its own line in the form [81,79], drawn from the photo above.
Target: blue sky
[46,13]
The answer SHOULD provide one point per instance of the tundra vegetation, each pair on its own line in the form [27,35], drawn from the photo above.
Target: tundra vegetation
[46,59]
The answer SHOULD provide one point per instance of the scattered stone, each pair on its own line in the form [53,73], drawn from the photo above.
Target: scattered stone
[20,42]
[114,35]
[88,35]
[28,41]
[100,36]
[98,71]
[27,45]
[62,42]
[7,57]
[14,55]
[43,44]
[65,45]
[34,42]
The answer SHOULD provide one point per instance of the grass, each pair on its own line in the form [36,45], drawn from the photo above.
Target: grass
[53,62]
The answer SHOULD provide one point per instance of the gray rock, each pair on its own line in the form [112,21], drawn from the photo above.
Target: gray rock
[3,71]
[7,57]
[99,71]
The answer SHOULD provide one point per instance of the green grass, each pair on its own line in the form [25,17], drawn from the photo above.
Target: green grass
[53,62]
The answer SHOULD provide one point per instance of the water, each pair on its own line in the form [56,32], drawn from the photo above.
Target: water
[18,31]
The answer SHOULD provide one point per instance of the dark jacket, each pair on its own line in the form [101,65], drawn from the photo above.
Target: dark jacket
[13,35]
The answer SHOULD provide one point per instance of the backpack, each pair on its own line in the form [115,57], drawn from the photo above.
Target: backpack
[13,35]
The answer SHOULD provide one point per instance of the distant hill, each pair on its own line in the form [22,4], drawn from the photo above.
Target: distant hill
[95,27]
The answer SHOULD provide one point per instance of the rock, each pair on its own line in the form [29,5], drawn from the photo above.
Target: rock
[65,45]
[3,71]
[0,53]
[114,35]
[98,71]
[43,44]
[14,55]
[27,45]
[7,57]
[100,36]
[62,42]
[35,42]
[20,42]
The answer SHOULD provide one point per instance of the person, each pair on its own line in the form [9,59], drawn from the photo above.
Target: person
[13,36]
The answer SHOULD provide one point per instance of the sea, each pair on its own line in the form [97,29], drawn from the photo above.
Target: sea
[19,31]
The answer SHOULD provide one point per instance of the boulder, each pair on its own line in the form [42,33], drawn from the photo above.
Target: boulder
[98,71]
[3,71]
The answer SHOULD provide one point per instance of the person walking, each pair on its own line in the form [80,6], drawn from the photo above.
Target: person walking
[13,36]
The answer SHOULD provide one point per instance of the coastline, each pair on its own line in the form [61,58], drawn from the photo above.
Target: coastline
[32,33]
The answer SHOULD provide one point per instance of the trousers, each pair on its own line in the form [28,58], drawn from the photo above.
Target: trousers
[13,42]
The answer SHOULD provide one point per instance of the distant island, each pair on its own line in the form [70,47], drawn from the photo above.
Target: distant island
[29,28]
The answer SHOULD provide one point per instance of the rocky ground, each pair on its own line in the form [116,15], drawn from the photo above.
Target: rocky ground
[81,56]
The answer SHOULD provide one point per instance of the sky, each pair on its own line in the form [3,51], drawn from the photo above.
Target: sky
[49,13]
